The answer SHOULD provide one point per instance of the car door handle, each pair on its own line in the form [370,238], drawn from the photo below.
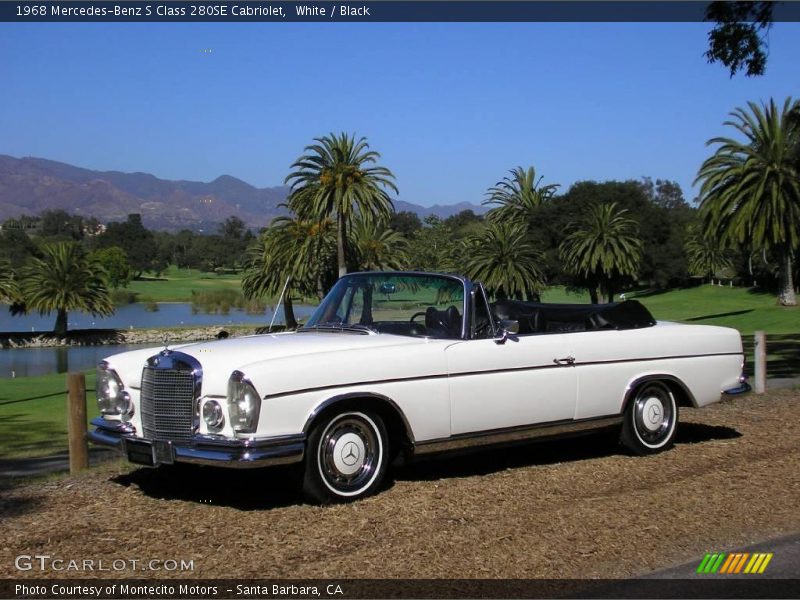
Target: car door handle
[569,360]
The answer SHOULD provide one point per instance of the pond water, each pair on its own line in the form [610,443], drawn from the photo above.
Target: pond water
[137,316]
[27,362]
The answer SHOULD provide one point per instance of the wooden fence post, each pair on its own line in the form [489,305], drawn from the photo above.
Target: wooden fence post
[76,422]
[761,362]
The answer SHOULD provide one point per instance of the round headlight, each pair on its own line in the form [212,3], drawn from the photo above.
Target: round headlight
[124,405]
[112,399]
[212,415]
[244,403]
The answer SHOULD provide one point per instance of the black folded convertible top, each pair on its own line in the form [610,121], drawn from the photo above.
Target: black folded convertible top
[538,317]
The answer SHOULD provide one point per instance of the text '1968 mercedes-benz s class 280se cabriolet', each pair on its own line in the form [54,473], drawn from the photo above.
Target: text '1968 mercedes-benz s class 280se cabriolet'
[401,365]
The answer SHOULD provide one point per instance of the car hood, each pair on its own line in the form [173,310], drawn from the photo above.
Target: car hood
[220,358]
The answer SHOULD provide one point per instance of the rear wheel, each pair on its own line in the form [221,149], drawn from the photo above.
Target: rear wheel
[346,458]
[651,419]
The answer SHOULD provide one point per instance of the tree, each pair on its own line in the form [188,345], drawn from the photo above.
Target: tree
[519,196]
[65,279]
[9,291]
[707,256]
[750,192]
[659,210]
[503,257]
[433,247]
[233,228]
[736,40]
[137,242]
[603,248]
[405,222]
[16,247]
[288,251]
[115,263]
[58,224]
[378,248]
[333,179]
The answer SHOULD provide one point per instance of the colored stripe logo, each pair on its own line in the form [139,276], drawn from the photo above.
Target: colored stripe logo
[735,563]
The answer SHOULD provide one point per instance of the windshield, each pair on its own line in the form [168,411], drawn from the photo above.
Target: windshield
[401,304]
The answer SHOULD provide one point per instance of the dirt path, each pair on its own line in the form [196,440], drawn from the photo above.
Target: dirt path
[572,508]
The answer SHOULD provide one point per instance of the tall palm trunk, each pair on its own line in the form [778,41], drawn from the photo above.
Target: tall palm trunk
[288,311]
[786,295]
[61,323]
[340,245]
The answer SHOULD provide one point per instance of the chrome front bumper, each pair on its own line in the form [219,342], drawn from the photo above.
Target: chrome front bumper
[742,388]
[202,450]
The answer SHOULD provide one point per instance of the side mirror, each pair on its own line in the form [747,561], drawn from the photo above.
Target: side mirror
[507,327]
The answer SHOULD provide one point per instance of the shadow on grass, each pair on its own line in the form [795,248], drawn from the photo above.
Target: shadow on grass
[19,436]
[783,355]
[720,315]
[261,489]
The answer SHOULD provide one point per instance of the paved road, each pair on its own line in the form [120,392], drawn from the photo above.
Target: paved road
[785,562]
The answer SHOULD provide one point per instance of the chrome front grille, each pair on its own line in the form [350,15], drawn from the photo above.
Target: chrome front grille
[169,390]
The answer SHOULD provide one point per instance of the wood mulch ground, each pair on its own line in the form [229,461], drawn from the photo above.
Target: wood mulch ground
[569,509]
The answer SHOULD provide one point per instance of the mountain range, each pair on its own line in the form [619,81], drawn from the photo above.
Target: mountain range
[29,186]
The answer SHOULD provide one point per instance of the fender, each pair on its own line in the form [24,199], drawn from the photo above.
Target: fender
[633,385]
[384,400]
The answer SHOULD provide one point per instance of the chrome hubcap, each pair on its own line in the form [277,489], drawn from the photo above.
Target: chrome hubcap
[349,453]
[654,414]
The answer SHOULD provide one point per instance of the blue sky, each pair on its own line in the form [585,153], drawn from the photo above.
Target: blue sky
[451,107]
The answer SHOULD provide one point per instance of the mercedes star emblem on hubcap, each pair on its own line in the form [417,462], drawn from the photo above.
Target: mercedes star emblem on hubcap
[655,414]
[350,454]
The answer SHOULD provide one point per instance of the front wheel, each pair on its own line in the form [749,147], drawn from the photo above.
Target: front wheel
[346,457]
[651,419]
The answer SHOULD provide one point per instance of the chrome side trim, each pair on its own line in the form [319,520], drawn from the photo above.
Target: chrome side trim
[514,434]
[576,364]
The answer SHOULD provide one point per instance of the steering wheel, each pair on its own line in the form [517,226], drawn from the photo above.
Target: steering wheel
[415,315]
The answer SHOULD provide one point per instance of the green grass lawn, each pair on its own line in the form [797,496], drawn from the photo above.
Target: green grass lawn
[176,285]
[33,414]
[734,307]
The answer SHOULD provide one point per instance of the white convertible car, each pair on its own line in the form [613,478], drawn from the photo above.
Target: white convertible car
[398,365]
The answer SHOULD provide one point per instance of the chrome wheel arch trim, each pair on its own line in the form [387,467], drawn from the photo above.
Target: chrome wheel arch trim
[630,391]
[339,398]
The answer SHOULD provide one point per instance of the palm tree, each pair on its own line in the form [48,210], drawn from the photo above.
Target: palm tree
[706,255]
[519,196]
[65,278]
[9,291]
[290,250]
[379,248]
[750,192]
[602,248]
[333,179]
[503,257]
